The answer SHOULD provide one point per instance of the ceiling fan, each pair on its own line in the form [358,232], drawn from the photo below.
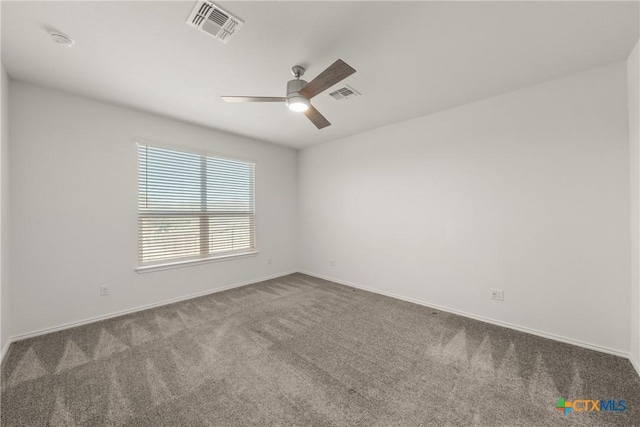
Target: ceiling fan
[299,92]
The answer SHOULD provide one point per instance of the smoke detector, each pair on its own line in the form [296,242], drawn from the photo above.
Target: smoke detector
[61,39]
[345,92]
[214,20]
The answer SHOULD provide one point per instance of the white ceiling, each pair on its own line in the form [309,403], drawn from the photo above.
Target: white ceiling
[412,58]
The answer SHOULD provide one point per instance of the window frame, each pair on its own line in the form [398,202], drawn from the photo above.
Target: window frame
[202,258]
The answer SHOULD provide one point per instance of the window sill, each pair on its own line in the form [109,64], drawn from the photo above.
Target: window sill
[187,263]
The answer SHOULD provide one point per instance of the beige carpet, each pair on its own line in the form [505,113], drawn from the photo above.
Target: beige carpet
[298,351]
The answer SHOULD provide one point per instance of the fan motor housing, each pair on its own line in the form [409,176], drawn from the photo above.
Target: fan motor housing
[294,86]
[295,101]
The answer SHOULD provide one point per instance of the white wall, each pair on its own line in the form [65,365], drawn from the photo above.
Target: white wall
[74,205]
[5,313]
[527,192]
[633,87]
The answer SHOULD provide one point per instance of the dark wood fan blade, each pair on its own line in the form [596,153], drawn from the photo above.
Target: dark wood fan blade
[317,118]
[254,98]
[337,71]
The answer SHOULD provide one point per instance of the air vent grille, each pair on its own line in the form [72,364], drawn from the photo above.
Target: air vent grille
[345,92]
[213,20]
[218,17]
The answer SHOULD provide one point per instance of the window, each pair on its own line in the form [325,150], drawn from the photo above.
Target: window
[193,206]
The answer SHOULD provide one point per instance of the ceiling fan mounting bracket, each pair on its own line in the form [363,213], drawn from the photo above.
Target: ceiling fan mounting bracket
[297,71]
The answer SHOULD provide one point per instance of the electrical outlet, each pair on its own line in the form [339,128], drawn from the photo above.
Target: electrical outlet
[104,290]
[332,263]
[497,294]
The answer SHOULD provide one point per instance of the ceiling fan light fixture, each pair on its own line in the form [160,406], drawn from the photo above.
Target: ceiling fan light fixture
[298,103]
[299,92]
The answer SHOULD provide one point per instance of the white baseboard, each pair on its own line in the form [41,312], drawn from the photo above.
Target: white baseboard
[542,334]
[139,308]
[4,349]
[484,319]
[635,364]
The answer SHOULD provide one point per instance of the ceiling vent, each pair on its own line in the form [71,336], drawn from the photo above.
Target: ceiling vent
[214,20]
[345,92]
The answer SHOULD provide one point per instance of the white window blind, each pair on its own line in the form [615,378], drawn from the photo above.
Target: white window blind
[193,206]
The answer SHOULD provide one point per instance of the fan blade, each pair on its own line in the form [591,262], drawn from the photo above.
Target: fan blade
[317,118]
[254,98]
[337,71]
